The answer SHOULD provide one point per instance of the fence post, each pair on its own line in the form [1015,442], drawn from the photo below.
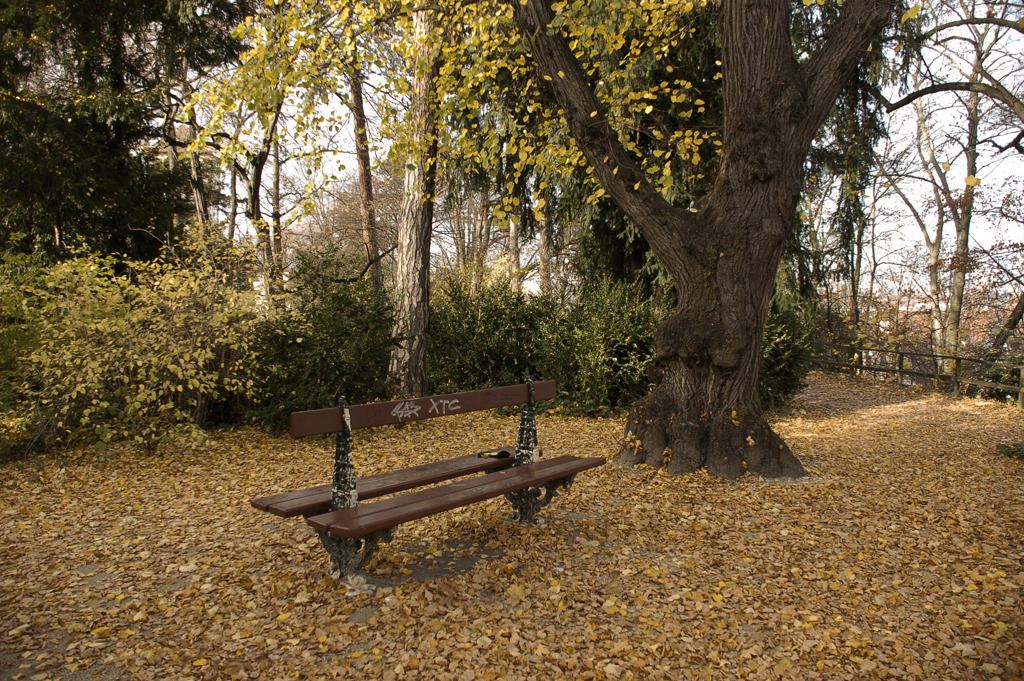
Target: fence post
[956,376]
[899,367]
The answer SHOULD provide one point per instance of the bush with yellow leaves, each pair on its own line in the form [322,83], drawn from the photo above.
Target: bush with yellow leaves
[132,350]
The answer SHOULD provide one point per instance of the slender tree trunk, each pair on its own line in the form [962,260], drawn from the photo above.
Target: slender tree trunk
[935,293]
[872,240]
[254,211]
[962,212]
[481,240]
[408,366]
[184,135]
[195,174]
[462,229]
[703,410]
[855,289]
[856,272]
[514,256]
[367,212]
[195,179]
[926,155]
[545,258]
[233,212]
[278,240]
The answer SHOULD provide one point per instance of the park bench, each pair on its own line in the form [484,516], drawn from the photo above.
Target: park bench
[352,531]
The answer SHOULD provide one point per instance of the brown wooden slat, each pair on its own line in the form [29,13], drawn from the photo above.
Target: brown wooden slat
[318,499]
[394,481]
[380,515]
[323,421]
[264,503]
[324,521]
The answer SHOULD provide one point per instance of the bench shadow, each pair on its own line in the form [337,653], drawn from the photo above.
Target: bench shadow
[425,561]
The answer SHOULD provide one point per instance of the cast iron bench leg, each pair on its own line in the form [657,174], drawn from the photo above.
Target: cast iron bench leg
[347,555]
[527,503]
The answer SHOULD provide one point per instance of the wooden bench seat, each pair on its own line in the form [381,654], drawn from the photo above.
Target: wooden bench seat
[351,530]
[387,513]
[316,500]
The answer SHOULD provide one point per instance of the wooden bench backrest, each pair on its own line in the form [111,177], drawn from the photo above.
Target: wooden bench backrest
[323,421]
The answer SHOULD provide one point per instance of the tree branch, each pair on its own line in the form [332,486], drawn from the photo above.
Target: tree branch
[846,44]
[371,263]
[999,94]
[1014,144]
[975,21]
[1009,325]
[617,171]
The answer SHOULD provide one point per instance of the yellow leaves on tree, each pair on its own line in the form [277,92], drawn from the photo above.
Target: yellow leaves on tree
[910,14]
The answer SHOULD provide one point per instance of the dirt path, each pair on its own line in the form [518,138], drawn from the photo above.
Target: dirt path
[901,557]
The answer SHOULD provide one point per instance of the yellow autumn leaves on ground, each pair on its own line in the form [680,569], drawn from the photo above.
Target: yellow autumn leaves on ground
[900,557]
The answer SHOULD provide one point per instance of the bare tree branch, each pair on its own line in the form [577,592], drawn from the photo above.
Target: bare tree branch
[1016,143]
[975,21]
[997,93]
[350,280]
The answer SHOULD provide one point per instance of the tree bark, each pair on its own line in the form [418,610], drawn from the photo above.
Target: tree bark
[1005,330]
[480,243]
[963,212]
[275,203]
[515,261]
[233,210]
[183,136]
[703,410]
[408,366]
[545,257]
[253,179]
[367,212]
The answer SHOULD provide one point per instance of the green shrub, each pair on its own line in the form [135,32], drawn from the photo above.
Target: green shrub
[785,356]
[492,337]
[1007,372]
[18,334]
[329,339]
[601,347]
[1015,450]
[132,355]
[597,348]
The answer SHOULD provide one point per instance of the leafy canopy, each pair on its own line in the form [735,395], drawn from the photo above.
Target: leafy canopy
[497,117]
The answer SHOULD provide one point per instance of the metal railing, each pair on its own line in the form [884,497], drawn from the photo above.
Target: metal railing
[909,368]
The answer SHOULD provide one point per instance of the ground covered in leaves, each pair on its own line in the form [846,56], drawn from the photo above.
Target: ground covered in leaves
[901,557]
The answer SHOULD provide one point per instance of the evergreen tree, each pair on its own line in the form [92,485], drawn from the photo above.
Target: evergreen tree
[84,87]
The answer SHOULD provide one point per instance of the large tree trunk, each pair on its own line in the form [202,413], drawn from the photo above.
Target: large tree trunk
[703,411]
[408,366]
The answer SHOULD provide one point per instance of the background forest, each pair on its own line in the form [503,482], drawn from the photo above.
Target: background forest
[219,212]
